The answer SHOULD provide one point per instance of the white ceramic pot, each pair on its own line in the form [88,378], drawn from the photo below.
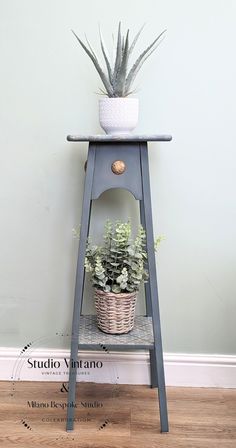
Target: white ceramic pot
[118,115]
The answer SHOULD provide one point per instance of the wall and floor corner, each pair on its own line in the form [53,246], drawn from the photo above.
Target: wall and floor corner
[186,89]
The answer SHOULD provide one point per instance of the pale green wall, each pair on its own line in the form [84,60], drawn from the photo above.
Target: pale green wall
[47,91]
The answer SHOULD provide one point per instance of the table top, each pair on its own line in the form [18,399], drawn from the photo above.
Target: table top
[120,138]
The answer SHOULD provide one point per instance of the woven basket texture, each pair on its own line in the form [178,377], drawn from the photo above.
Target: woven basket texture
[115,312]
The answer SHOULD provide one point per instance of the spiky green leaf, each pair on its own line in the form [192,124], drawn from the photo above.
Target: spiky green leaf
[119,85]
[143,56]
[118,53]
[108,65]
[135,39]
[99,69]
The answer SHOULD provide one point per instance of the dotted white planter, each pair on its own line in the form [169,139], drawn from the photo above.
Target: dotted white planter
[118,115]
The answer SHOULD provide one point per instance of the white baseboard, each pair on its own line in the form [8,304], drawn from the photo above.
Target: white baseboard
[121,367]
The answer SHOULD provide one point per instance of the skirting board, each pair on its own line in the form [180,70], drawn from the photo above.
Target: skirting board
[188,370]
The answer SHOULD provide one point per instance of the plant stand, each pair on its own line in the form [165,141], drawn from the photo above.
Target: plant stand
[119,162]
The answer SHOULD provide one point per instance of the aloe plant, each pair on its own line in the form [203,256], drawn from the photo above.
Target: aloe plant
[118,78]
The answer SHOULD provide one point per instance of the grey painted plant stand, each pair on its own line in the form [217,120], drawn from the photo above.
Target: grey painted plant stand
[131,172]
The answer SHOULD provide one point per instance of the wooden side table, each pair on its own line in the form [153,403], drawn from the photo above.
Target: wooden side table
[119,162]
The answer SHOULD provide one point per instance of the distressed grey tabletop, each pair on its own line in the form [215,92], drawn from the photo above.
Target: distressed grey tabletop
[120,138]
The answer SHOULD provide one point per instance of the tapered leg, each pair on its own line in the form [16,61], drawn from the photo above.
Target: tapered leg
[153,368]
[158,351]
[86,208]
[147,285]
[152,354]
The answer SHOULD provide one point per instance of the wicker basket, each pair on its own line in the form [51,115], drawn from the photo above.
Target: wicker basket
[115,312]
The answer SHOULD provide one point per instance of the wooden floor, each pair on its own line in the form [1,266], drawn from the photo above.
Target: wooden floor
[123,416]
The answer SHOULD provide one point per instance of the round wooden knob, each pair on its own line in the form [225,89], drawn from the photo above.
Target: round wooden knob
[118,167]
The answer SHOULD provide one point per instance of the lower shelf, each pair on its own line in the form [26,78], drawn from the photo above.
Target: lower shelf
[141,337]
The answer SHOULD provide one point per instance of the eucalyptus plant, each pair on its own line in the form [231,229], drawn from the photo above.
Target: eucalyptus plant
[117,77]
[119,264]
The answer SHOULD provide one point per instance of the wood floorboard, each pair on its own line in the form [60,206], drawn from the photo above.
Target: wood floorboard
[124,416]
